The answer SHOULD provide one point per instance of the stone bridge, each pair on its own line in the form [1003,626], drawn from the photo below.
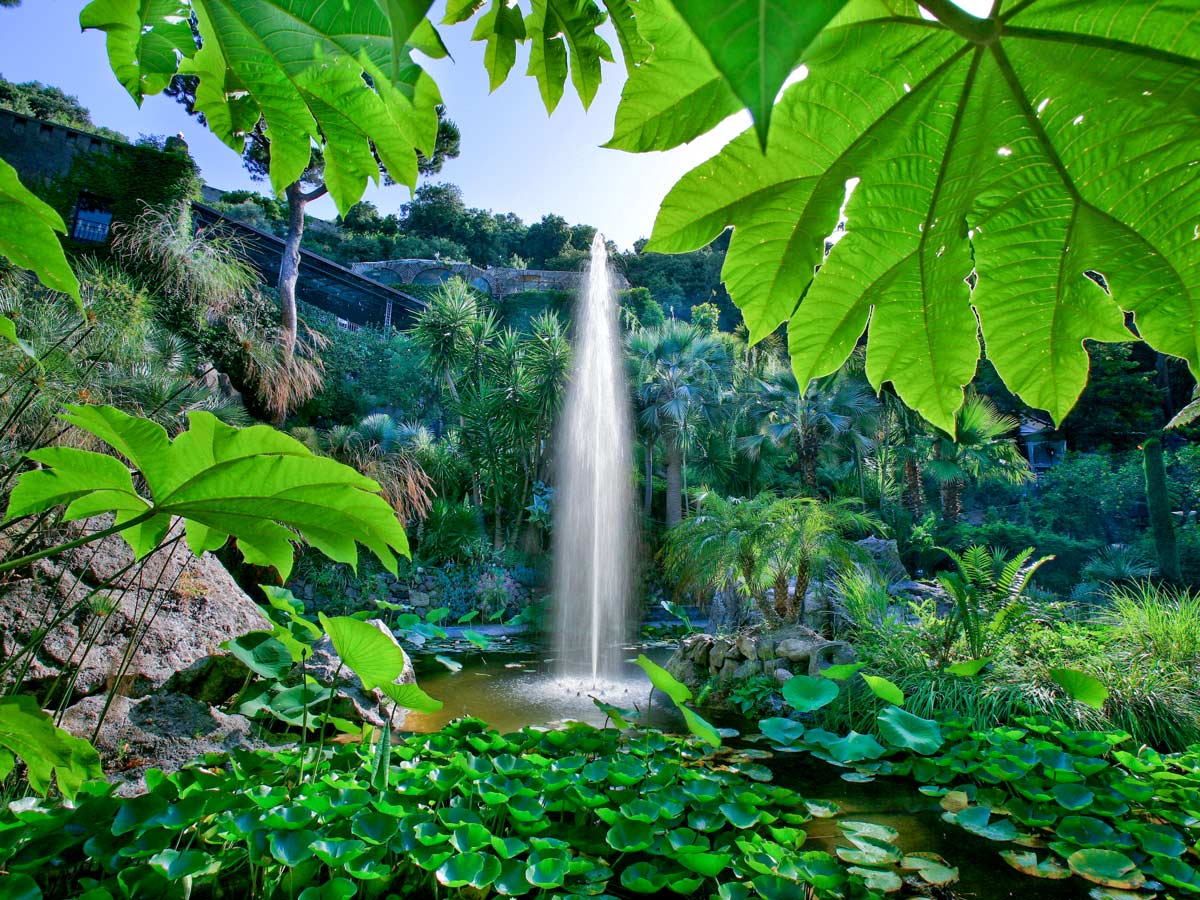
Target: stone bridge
[497,281]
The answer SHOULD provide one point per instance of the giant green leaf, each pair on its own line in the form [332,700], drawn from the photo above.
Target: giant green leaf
[28,236]
[334,73]
[370,654]
[1081,686]
[142,39]
[997,170]
[256,484]
[673,96]
[805,693]
[49,753]
[902,729]
[562,28]
[755,44]
[501,27]
[664,680]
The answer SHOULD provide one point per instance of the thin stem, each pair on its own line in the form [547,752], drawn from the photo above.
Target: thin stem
[962,23]
[78,542]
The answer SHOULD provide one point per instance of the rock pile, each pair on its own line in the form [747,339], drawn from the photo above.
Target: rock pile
[731,658]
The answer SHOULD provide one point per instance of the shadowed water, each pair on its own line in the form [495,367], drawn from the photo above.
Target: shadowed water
[593,502]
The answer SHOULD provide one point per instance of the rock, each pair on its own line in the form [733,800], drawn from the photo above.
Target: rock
[686,671]
[728,672]
[419,599]
[781,675]
[764,647]
[746,670]
[186,607]
[809,652]
[353,701]
[747,646]
[700,650]
[716,655]
[161,731]
[884,558]
[796,649]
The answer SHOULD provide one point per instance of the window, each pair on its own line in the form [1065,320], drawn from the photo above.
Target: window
[93,219]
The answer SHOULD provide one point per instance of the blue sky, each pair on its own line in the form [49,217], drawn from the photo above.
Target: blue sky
[514,157]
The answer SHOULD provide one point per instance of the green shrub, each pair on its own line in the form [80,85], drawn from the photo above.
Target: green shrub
[1157,623]
[1070,554]
[452,532]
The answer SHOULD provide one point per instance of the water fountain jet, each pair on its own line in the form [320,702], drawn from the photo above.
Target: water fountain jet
[593,522]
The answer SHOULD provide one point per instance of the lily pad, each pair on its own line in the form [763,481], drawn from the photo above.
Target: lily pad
[1026,861]
[903,729]
[806,694]
[878,879]
[1106,867]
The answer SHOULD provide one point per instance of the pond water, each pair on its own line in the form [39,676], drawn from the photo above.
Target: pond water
[511,690]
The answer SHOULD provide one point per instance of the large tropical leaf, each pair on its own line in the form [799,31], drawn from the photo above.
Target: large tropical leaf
[1033,176]
[142,39]
[562,28]
[49,753]
[338,74]
[256,484]
[28,237]
[676,94]
[755,44]
[501,27]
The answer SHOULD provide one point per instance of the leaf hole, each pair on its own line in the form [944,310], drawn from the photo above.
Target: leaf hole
[1099,279]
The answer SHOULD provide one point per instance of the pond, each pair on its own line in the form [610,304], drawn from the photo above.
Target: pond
[510,690]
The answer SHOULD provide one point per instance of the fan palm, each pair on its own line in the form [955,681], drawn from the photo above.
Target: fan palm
[676,372]
[837,409]
[982,451]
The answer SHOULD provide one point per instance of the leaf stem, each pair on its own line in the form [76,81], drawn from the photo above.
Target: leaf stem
[78,542]
[976,30]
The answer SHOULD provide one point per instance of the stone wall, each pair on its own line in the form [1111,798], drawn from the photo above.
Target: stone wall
[41,151]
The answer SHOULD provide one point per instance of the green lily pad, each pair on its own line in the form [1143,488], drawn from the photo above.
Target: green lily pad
[710,865]
[902,729]
[1026,861]
[977,820]
[1106,867]
[1072,796]
[740,815]
[629,837]
[878,879]
[477,870]
[548,873]
[783,732]
[806,694]
[643,878]
[871,829]
[869,851]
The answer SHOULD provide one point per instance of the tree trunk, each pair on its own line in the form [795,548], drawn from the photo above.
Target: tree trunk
[807,453]
[1158,504]
[289,274]
[782,608]
[674,483]
[648,490]
[914,489]
[951,501]
[800,592]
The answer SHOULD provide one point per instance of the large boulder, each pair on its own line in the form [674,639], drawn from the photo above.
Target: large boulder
[352,700]
[162,731]
[884,557]
[178,607]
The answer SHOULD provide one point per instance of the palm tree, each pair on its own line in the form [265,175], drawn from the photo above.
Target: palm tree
[836,409]
[982,451]
[765,542]
[676,372]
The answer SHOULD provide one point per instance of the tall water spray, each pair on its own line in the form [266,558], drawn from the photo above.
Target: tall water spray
[593,503]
